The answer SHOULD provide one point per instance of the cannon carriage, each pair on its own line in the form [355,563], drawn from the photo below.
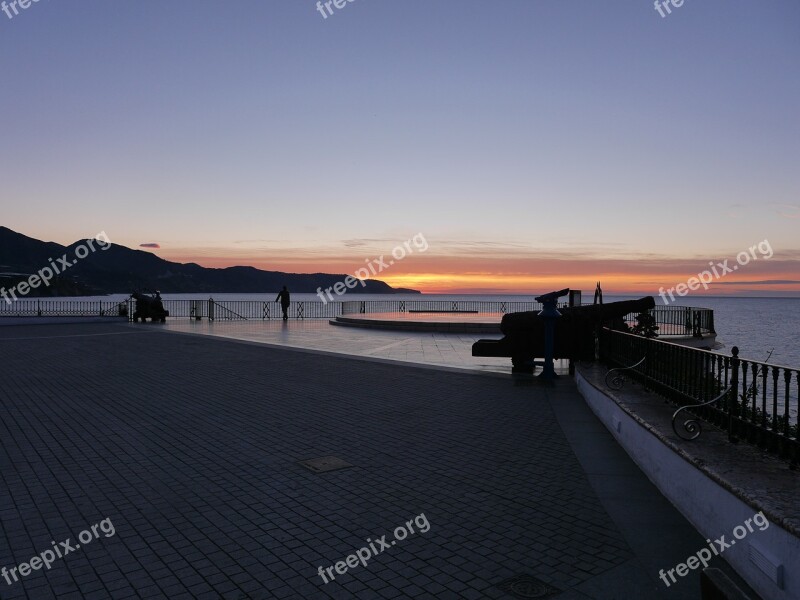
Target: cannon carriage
[574,335]
[149,307]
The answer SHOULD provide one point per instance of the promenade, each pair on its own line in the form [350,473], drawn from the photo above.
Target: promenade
[190,445]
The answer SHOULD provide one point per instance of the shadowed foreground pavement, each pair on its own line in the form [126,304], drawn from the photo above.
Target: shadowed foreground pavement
[190,446]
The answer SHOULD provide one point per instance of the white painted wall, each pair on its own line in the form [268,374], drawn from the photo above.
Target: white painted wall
[712,509]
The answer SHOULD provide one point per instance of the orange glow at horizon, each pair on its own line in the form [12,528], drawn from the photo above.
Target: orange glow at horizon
[516,274]
[499,283]
[515,284]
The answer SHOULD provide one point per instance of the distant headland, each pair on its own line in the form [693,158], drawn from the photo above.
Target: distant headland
[118,269]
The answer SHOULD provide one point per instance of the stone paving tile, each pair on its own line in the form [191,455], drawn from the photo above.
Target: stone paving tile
[190,446]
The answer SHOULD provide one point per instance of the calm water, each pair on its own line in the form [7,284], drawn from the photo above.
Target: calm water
[756,325]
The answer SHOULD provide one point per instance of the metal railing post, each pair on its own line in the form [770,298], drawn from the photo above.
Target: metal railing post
[733,395]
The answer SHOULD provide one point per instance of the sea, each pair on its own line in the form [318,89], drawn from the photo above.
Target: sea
[760,327]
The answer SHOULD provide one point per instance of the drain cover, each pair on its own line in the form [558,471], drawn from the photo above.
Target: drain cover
[325,464]
[527,586]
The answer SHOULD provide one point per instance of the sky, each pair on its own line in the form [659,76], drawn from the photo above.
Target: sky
[533,144]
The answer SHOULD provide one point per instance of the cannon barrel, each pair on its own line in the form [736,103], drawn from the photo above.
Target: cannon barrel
[574,332]
[529,321]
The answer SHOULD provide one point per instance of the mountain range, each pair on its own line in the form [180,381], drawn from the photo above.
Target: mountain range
[118,269]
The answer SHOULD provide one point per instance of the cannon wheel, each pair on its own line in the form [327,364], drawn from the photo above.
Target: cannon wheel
[522,364]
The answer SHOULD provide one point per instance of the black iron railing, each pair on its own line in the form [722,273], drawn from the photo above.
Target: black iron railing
[42,307]
[219,310]
[761,406]
[351,307]
[680,320]
[250,310]
[672,320]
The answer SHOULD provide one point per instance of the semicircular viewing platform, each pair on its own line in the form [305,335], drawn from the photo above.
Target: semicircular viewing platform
[425,321]
[477,321]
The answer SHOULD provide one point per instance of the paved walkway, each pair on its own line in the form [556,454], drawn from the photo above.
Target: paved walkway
[190,446]
[440,349]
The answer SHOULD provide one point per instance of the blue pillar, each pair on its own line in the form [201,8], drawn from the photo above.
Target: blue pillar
[549,315]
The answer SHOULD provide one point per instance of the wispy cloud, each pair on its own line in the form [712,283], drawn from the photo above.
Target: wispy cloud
[761,282]
[788,211]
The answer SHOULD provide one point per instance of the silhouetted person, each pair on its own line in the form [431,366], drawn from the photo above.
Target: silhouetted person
[283,296]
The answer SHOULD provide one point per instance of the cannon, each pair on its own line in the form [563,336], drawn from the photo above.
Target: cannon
[574,332]
[149,307]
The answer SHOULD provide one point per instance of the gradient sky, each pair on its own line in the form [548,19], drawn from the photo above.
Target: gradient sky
[536,144]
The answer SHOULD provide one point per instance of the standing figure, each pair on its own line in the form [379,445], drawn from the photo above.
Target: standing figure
[283,296]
